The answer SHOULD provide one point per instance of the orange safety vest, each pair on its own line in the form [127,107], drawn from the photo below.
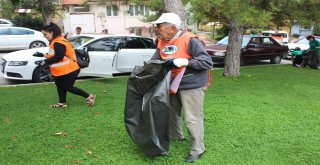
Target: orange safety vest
[177,48]
[68,64]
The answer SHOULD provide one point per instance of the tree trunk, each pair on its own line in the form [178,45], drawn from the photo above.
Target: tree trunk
[176,6]
[232,59]
[45,11]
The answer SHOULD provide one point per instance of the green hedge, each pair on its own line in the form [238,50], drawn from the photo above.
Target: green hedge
[28,22]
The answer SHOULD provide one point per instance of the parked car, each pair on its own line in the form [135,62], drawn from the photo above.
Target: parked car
[5,23]
[302,43]
[284,34]
[109,55]
[254,48]
[16,38]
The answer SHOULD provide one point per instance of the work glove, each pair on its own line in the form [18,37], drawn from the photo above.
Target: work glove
[170,63]
[179,62]
[38,54]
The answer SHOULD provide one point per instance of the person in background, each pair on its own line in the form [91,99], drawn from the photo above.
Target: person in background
[105,31]
[314,46]
[63,66]
[185,50]
[78,31]
[297,60]
[313,43]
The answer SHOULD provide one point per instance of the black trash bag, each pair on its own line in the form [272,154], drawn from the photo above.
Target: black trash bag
[147,107]
[313,59]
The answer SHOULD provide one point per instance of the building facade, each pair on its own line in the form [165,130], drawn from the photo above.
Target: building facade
[117,18]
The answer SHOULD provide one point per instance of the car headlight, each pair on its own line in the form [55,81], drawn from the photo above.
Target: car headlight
[219,53]
[18,63]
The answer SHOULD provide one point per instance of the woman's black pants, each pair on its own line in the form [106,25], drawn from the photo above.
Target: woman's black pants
[65,84]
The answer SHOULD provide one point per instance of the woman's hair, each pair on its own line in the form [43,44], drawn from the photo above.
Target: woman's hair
[52,27]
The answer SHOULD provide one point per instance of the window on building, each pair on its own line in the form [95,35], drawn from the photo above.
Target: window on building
[138,10]
[85,8]
[112,10]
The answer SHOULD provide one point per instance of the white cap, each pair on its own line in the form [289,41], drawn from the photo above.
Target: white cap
[169,18]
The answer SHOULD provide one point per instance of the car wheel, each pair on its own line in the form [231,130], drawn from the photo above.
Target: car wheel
[275,60]
[37,44]
[42,74]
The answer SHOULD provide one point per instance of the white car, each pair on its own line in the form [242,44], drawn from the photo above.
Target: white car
[284,34]
[5,23]
[302,43]
[109,55]
[16,38]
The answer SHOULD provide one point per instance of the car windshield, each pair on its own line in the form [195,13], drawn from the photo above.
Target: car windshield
[245,41]
[79,40]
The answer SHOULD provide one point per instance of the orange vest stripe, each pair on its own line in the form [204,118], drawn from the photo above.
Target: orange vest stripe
[66,65]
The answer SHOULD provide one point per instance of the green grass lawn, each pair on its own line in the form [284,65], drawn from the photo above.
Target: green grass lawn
[271,115]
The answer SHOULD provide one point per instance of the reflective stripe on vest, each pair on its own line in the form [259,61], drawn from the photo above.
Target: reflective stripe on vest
[60,63]
[67,64]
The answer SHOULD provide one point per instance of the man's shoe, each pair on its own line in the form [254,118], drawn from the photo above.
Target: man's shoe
[192,158]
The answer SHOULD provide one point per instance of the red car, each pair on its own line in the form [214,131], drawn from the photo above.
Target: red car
[254,48]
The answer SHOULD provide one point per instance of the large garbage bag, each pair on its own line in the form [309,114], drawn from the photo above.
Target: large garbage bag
[312,59]
[147,108]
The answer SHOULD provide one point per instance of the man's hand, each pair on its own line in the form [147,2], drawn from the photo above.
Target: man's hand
[179,62]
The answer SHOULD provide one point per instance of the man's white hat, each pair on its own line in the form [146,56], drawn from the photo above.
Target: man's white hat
[169,18]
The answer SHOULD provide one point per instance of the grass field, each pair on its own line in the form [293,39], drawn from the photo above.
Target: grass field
[268,116]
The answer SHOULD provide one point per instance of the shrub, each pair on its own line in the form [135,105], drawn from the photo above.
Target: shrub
[28,22]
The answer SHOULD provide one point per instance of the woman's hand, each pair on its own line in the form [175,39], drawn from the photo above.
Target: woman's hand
[45,55]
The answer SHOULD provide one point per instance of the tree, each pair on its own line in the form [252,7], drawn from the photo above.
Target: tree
[176,6]
[47,8]
[6,8]
[236,15]
[46,14]
[163,6]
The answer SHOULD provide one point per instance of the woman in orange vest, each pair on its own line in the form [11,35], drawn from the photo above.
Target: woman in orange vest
[61,60]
